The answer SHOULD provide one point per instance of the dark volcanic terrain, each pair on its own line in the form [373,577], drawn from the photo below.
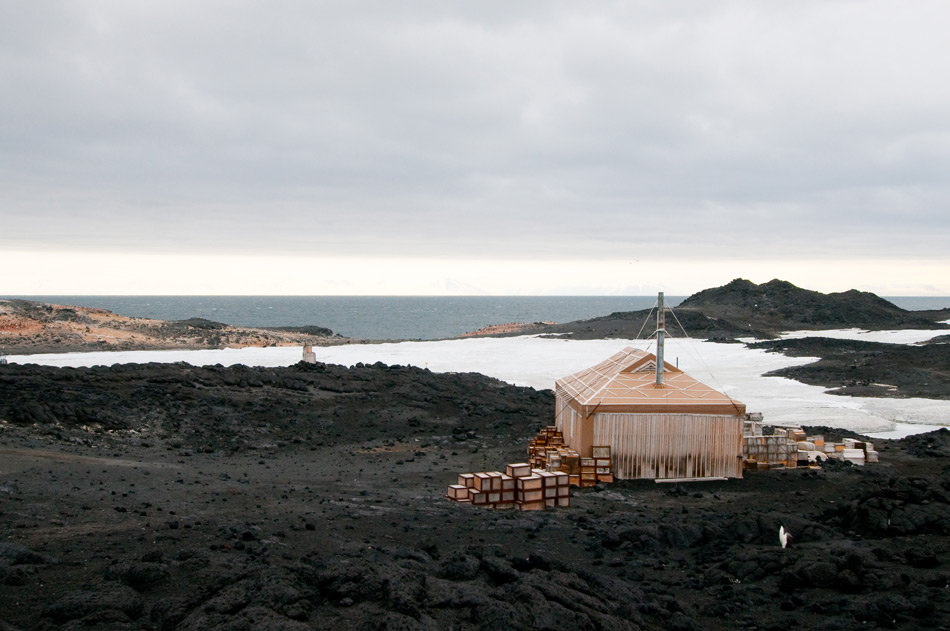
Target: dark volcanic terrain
[744,309]
[169,497]
[869,369]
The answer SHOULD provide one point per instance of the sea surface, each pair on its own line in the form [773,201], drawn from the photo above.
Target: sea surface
[388,317]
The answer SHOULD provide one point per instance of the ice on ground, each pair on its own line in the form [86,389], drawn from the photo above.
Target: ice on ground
[908,336]
[538,362]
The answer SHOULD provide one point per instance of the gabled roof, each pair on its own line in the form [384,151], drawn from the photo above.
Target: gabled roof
[626,382]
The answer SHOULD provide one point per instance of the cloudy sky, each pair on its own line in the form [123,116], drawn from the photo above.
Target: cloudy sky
[283,147]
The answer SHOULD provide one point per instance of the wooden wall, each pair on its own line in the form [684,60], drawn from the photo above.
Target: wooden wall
[670,445]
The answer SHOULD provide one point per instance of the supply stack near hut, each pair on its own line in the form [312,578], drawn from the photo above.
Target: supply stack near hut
[788,448]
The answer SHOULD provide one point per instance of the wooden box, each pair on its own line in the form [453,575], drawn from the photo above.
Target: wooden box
[478,498]
[518,470]
[467,479]
[495,477]
[530,505]
[530,496]
[600,451]
[529,483]
[457,492]
[482,482]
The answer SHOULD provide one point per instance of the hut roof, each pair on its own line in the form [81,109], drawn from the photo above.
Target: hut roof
[626,382]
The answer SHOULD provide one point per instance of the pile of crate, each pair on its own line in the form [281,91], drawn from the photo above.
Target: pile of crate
[521,487]
[854,451]
[547,451]
[548,443]
[791,448]
[775,451]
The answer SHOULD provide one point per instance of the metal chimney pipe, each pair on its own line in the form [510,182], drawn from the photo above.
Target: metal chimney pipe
[660,334]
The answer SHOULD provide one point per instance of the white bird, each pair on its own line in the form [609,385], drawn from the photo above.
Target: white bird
[783,536]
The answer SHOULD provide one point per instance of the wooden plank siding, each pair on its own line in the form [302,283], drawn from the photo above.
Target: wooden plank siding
[669,445]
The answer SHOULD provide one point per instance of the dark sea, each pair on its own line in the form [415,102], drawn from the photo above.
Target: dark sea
[387,317]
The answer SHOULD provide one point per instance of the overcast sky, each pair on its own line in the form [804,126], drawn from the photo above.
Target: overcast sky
[473,147]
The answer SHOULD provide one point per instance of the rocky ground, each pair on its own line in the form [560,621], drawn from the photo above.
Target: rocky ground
[28,327]
[169,497]
[869,369]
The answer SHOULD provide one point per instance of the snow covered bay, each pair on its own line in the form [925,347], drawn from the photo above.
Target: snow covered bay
[537,362]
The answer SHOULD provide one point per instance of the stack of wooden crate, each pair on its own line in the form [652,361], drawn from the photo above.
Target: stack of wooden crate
[548,441]
[547,451]
[789,448]
[602,463]
[776,451]
[520,487]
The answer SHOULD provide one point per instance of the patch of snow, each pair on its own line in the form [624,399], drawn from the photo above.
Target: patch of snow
[537,362]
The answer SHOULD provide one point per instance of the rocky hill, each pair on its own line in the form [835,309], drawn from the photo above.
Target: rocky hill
[744,309]
[35,327]
[780,305]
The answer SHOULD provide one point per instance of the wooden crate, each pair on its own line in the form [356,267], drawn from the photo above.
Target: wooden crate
[477,497]
[457,492]
[600,451]
[467,479]
[482,482]
[518,470]
[529,496]
[529,483]
[495,477]
[530,505]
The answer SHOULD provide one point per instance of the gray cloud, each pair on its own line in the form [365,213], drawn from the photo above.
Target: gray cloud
[479,129]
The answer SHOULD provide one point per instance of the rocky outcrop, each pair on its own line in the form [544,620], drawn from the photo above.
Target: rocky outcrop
[744,309]
[35,327]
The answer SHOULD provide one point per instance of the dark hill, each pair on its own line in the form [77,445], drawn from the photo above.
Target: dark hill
[744,309]
[780,305]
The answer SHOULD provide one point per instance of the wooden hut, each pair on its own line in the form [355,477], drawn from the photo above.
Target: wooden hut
[659,422]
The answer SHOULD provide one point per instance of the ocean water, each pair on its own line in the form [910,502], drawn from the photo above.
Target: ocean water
[388,317]
[367,317]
